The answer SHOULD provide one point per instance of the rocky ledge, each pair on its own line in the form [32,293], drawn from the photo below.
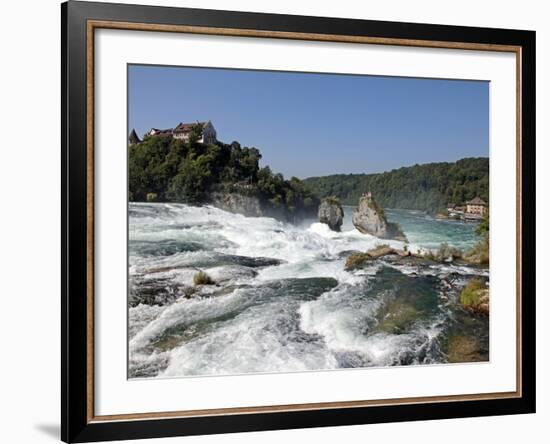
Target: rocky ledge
[445,254]
[369,218]
[238,203]
[474,296]
[357,260]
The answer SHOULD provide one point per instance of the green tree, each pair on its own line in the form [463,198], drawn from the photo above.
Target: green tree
[428,187]
[177,171]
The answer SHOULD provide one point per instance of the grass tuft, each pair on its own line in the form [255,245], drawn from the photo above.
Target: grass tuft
[356,260]
[471,295]
[201,278]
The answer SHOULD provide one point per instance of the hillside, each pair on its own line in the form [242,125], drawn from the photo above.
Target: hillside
[164,169]
[428,187]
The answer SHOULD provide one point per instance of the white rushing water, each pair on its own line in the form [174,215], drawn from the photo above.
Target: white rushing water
[282,300]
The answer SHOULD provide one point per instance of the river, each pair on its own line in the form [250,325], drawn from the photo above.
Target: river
[283,300]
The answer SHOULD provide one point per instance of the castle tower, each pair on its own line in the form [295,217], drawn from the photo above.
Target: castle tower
[133,138]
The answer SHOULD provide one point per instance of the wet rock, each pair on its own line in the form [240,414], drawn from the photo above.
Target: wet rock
[357,260]
[152,291]
[397,317]
[165,247]
[238,203]
[463,348]
[445,253]
[220,259]
[303,288]
[188,291]
[381,250]
[369,218]
[483,305]
[232,272]
[255,262]
[331,213]
[215,291]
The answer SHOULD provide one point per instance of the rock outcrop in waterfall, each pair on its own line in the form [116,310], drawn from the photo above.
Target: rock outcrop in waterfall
[369,218]
[331,213]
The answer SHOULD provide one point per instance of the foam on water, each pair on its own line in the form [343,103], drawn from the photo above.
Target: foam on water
[273,308]
[186,312]
[340,317]
[256,341]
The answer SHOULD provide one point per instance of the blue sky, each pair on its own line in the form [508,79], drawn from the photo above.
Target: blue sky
[318,124]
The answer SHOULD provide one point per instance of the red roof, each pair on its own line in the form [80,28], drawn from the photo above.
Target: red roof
[187,127]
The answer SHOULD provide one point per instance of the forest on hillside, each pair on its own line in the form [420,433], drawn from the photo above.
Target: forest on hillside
[427,187]
[165,169]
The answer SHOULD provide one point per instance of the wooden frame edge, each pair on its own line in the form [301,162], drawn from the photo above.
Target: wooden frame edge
[519,220]
[336,38]
[285,408]
[90,208]
[106,24]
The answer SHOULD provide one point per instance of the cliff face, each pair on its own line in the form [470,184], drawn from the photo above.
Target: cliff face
[369,218]
[252,205]
[238,203]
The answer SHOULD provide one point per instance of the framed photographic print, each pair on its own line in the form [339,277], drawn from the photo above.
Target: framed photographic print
[275,221]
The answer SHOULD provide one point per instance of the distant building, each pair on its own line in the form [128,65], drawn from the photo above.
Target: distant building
[476,206]
[133,138]
[159,132]
[183,130]
[455,211]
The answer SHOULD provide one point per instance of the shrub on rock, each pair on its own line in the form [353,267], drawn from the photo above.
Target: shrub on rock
[201,278]
[475,296]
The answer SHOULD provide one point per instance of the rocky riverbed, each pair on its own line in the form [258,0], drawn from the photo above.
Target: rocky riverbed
[279,297]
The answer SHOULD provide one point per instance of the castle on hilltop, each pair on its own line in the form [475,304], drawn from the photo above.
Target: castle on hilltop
[182,132]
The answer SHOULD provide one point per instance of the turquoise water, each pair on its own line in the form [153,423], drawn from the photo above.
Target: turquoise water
[424,230]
